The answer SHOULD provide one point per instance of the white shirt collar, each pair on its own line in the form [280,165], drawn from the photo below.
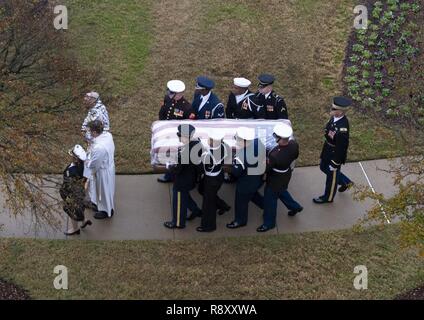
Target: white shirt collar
[240,97]
[267,95]
[337,119]
[204,100]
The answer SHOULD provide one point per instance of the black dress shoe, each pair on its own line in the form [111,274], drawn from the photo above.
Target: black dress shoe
[194,215]
[235,225]
[201,229]
[345,187]
[172,225]
[73,233]
[163,180]
[87,223]
[292,213]
[320,200]
[221,211]
[100,215]
[263,228]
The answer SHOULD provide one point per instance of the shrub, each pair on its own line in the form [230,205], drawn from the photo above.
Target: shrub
[365,74]
[378,75]
[358,48]
[386,92]
[415,7]
[367,54]
[366,64]
[368,92]
[354,58]
[405,6]
[352,70]
[364,83]
[351,79]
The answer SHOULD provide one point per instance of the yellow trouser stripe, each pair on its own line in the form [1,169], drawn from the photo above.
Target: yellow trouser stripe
[178,208]
[333,186]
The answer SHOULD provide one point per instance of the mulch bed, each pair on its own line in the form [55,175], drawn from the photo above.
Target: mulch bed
[416,294]
[9,291]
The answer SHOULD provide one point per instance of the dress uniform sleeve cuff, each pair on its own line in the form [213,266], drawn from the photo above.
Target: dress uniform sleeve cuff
[335,163]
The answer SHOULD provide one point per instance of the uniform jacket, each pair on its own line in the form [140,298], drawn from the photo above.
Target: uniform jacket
[272,107]
[241,110]
[336,142]
[175,110]
[186,170]
[211,110]
[247,183]
[279,163]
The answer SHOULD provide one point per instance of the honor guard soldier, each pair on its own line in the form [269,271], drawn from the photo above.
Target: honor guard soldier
[239,105]
[250,157]
[279,171]
[213,158]
[175,107]
[334,151]
[206,105]
[269,105]
[185,176]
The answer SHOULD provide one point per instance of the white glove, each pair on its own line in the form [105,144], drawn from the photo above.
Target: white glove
[332,168]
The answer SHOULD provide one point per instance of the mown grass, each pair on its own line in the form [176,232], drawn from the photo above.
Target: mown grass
[140,45]
[301,266]
[114,36]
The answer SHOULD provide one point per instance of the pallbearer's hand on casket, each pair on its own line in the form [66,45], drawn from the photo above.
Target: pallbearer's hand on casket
[170,166]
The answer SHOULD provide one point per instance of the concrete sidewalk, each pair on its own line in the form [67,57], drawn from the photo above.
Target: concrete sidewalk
[142,205]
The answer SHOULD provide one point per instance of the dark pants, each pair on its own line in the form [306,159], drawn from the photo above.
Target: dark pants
[181,201]
[334,178]
[271,202]
[168,176]
[242,204]
[220,204]
[211,201]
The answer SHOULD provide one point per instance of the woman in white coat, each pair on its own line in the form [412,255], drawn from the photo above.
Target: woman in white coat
[100,166]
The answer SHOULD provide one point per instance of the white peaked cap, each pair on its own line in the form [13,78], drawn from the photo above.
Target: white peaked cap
[216,134]
[246,133]
[176,86]
[242,82]
[93,94]
[79,152]
[283,130]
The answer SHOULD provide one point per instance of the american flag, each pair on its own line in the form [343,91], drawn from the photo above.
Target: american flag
[165,140]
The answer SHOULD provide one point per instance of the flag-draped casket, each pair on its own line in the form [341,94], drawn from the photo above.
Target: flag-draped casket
[165,142]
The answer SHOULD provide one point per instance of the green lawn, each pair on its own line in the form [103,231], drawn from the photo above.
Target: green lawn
[114,36]
[301,266]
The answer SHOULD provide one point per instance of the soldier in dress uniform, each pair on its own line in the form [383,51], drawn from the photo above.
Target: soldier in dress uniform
[268,105]
[213,158]
[206,105]
[239,103]
[334,151]
[185,172]
[248,173]
[279,171]
[175,107]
